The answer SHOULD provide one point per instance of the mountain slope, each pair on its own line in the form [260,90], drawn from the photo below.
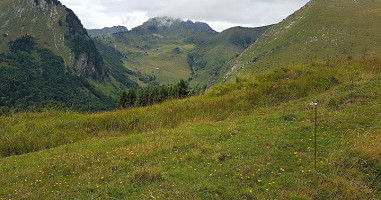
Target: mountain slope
[55,27]
[322,30]
[47,57]
[251,139]
[210,58]
[171,49]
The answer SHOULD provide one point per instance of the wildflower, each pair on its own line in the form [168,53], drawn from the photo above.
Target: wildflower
[259,180]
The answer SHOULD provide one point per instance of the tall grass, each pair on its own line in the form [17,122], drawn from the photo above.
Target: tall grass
[29,132]
[250,139]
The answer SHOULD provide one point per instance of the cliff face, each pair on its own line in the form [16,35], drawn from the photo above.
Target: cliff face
[54,27]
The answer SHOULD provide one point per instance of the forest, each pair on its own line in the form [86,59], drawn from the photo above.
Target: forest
[32,78]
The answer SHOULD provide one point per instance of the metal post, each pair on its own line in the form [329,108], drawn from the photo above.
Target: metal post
[315,104]
[315,133]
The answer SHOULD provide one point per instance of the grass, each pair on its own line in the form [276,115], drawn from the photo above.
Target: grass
[322,30]
[145,53]
[171,67]
[239,141]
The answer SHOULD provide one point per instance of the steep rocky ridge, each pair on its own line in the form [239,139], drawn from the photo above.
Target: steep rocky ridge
[55,27]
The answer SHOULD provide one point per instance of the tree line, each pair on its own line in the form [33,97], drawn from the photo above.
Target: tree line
[153,95]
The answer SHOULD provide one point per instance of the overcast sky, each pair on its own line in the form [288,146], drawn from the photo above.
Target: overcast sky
[219,14]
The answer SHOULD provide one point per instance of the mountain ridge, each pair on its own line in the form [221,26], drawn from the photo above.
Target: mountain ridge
[36,34]
[316,32]
[168,23]
[171,49]
[106,31]
[63,33]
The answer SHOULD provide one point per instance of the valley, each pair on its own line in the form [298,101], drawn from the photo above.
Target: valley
[170,49]
[248,133]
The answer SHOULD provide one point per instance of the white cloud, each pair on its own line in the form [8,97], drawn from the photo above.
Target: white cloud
[220,14]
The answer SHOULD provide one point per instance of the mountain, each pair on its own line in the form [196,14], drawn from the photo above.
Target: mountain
[47,57]
[55,27]
[165,24]
[106,31]
[322,30]
[169,49]
[210,57]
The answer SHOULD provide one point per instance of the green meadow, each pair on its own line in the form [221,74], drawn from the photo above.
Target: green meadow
[251,138]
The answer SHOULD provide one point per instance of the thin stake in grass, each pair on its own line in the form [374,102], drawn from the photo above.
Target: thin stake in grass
[315,104]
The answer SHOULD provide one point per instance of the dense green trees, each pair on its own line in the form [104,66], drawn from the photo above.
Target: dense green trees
[32,78]
[127,100]
[25,43]
[152,95]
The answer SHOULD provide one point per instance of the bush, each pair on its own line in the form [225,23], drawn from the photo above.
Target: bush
[25,43]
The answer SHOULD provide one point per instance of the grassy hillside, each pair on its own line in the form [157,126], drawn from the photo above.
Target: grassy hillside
[322,30]
[210,58]
[248,139]
[170,49]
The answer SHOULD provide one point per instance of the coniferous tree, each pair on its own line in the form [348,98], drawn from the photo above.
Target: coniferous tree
[152,95]
[131,98]
[127,99]
[122,100]
[142,98]
[164,93]
[182,89]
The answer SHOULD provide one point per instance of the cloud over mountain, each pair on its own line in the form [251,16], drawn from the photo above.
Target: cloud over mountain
[220,14]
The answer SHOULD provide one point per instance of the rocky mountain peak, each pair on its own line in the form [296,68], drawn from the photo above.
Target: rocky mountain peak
[157,24]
